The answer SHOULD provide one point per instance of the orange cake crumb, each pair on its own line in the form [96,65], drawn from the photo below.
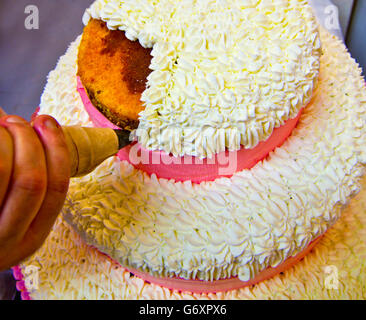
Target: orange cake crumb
[113,71]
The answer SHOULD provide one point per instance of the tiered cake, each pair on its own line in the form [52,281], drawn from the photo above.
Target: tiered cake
[225,75]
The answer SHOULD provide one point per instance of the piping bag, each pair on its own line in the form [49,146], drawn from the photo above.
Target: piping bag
[89,147]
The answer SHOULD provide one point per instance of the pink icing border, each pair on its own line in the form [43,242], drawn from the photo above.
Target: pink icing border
[20,284]
[201,287]
[185,168]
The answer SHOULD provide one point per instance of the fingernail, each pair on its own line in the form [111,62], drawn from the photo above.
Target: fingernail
[15,120]
[51,124]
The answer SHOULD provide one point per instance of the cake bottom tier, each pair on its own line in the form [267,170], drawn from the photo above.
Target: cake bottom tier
[67,268]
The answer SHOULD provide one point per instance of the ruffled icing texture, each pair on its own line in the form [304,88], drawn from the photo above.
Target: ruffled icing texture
[229,227]
[225,73]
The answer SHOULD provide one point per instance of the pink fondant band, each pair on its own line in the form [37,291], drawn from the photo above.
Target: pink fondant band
[166,166]
[200,287]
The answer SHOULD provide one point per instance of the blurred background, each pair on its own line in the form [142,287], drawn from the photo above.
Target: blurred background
[27,56]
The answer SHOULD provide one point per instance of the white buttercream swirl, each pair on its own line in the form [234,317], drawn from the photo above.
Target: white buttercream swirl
[225,73]
[237,226]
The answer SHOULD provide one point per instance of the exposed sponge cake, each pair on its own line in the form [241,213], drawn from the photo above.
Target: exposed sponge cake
[113,71]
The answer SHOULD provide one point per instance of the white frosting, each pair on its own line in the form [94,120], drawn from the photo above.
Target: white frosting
[225,73]
[228,227]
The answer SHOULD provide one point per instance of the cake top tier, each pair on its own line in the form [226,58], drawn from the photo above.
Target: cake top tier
[225,72]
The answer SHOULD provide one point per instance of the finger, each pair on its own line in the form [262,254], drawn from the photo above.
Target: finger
[28,182]
[2,113]
[58,172]
[6,162]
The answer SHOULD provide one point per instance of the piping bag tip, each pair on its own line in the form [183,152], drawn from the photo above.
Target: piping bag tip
[89,147]
[124,138]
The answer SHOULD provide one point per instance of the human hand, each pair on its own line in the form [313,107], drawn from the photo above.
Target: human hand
[34,179]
